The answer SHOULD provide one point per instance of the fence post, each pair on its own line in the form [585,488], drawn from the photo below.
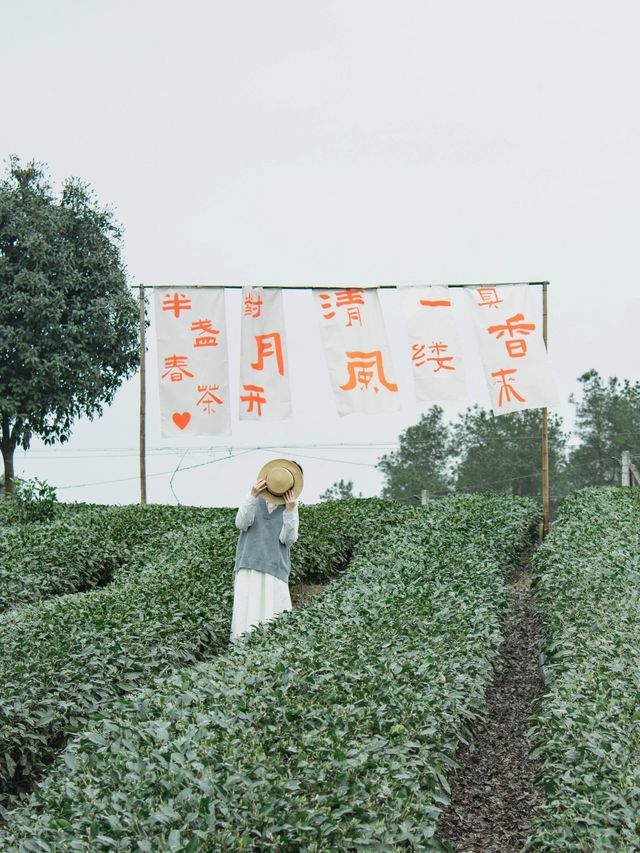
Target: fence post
[626,468]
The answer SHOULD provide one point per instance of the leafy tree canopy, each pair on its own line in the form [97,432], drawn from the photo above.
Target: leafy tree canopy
[607,422]
[479,453]
[68,323]
[421,462]
[340,489]
[504,453]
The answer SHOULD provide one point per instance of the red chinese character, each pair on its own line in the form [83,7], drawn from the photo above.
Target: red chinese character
[362,367]
[176,361]
[420,358]
[270,344]
[506,388]
[437,348]
[208,398]
[254,396]
[344,298]
[252,305]
[353,314]
[516,347]
[436,303]
[175,304]
[488,296]
[351,296]
[208,339]
[418,354]
[326,305]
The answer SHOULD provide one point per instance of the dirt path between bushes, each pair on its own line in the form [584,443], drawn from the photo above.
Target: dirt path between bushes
[302,592]
[493,797]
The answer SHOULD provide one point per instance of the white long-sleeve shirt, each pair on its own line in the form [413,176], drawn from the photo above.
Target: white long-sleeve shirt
[247,511]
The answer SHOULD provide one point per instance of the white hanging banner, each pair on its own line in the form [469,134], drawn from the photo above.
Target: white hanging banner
[264,371]
[191,341]
[356,349]
[434,343]
[515,359]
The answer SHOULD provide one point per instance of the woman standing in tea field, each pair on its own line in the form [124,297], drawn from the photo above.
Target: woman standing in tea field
[268,521]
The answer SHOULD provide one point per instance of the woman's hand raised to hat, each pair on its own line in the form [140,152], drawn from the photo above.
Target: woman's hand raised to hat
[258,487]
[289,499]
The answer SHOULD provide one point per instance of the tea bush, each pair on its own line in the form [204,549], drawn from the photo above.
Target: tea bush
[31,500]
[63,658]
[331,728]
[38,561]
[587,727]
[86,546]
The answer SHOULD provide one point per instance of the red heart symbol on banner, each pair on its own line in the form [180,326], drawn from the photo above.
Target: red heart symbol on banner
[181,419]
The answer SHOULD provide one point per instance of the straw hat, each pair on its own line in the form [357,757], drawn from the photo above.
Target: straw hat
[281,475]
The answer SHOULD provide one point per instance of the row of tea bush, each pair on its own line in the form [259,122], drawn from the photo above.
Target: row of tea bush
[86,545]
[587,726]
[168,605]
[332,727]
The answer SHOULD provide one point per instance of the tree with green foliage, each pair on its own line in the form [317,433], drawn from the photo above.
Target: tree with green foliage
[68,323]
[504,453]
[607,422]
[339,490]
[422,460]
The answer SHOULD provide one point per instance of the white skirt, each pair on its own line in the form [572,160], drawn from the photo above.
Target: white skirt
[257,597]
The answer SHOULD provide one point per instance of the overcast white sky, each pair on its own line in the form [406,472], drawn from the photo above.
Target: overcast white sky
[351,142]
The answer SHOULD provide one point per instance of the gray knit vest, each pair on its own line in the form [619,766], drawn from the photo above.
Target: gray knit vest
[259,547]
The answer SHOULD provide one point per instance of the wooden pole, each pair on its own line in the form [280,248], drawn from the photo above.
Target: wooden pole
[143,473]
[545,429]
[343,287]
[626,468]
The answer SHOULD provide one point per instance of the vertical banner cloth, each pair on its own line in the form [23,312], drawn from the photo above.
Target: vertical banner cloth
[515,360]
[434,344]
[264,369]
[191,339]
[356,349]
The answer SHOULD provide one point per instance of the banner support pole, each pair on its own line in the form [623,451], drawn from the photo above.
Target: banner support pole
[345,287]
[545,428]
[143,473]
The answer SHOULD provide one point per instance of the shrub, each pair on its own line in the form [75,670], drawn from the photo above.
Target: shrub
[31,500]
[587,727]
[330,728]
[86,546]
[62,659]
[38,561]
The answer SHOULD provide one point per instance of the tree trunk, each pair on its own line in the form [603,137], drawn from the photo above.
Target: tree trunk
[8,448]
[7,455]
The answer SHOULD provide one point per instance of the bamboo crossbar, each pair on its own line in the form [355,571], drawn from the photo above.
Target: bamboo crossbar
[334,286]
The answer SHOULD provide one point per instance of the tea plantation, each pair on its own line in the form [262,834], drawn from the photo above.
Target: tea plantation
[128,721]
[168,604]
[587,727]
[333,727]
